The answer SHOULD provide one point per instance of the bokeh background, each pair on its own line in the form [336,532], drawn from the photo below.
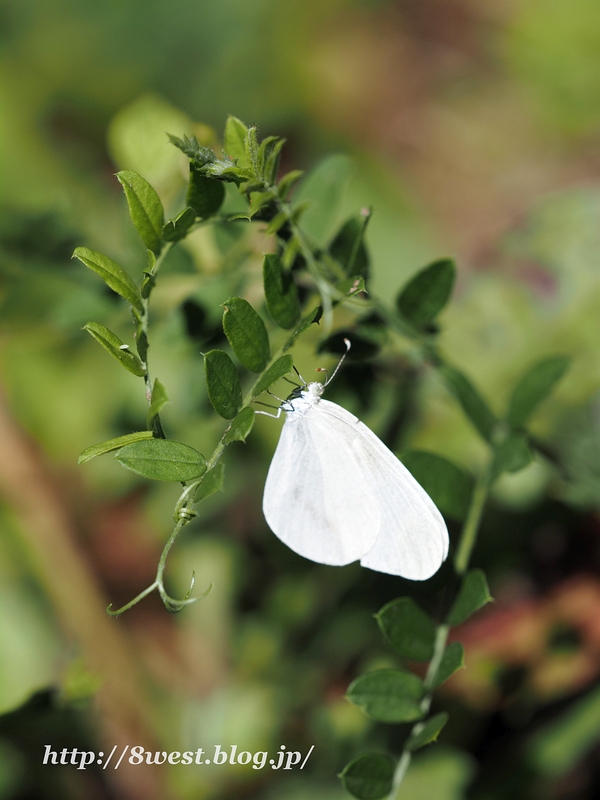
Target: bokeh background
[473,129]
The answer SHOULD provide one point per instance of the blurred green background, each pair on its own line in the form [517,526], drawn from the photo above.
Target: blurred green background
[473,129]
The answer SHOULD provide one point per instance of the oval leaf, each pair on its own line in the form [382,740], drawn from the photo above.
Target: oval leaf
[234,138]
[427,731]
[145,208]
[162,460]
[222,383]
[534,387]
[240,427]
[512,455]
[409,630]
[473,404]
[281,293]
[111,342]
[212,482]
[111,273]
[448,486]
[205,195]
[452,660]
[112,444]
[425,295]
[281,367]
[388,695]
[246,334]
[369,777]
[177,228]
[472,595]
[348,246]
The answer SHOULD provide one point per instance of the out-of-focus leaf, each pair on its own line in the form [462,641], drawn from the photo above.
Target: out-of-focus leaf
[534,387]
[287,181]
[222,383]
[449,486]
[112,444]
[281,367]
[111,342]
[473,404]
[281,294]
[452,660]
[111,273]
[212,482]
[426,294]
[408,628]
[162,460]
[512,455]
[313,317]
[348,246]
[472,595]
[240,427]
[388,695]
[234,138]
[158,400]
[246,334]
[177,228]
[429,732]
[204,195]
[320,193]
[145,208]
[369,777]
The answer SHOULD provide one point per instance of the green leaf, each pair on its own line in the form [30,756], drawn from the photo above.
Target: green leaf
[426,294]
[448,486]
[212,481]
[281,293]
[111,342]
[204,195]
[112,444]
[162,460]
[251,148]
[111,273]
[158,400]
[234,138]
[246,334]
[388,695]
[348,246]
[512,455]
[312,318]
[409,630]
[534,387]
[321,194]
[241,426]
[472,595]
[272,153]
[287,181]
[222,383]
[177,228]
[145,208]
[281,367]
[452,660]
[427,731]
[369,777]
[473,404]
[349,287]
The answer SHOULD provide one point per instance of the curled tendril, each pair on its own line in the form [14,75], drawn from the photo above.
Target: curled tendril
[175,606]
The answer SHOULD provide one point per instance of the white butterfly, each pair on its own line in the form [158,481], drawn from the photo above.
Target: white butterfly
[336,494]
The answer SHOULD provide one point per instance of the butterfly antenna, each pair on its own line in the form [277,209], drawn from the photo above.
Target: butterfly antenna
[341,361]
[300,376]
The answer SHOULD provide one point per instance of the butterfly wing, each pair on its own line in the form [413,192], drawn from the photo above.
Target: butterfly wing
[317,499]
[413,538]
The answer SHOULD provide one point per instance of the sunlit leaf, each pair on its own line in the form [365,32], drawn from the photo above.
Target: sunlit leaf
[112,344]
[111,273]
[145,208]
[112,444]
[162,460]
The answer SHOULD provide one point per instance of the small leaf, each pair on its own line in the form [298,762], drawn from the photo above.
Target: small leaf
[409,630]
[473,404]
[287,181]
[162,460]
[281,293]
[251,148]
[145,208]
[112,274]
[472,595]
[429,731]
[369,777]
[448,486]
[111,342]
[212,482]
[312,318]
[348,246]
[177,228]
[205,195]
[222,383]
[426,294]
[281,367]
[452,660]
[158,400]
[234,138]
[240,427]
[534,387]
[272,155]
[512,455]
[112,444]
[349,287]
[388,695]
[246,334]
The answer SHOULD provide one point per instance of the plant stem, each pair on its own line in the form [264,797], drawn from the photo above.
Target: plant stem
[471,526]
